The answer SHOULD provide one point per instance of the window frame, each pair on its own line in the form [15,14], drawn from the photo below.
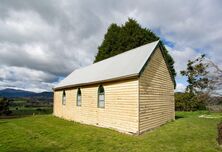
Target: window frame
[98,99]
[77,100]
[64,97]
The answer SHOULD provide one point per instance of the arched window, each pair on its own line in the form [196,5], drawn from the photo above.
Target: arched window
[101,97]
[64,97]
[79,98]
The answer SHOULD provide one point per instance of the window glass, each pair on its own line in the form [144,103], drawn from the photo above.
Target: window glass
[78,102]
[64,97]
[101,97]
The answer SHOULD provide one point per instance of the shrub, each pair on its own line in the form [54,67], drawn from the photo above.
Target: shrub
[188,102]
[4,107]
[39,109]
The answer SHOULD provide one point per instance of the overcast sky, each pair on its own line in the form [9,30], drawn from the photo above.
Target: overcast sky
[42,41]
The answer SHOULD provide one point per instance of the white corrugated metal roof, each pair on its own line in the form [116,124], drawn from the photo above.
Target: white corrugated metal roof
[125,64]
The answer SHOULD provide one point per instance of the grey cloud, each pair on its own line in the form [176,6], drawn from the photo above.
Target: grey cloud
[55,37]
[24,78]
[13,73]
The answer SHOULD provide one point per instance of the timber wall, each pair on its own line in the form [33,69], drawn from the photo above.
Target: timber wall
[156,94]
[121,106]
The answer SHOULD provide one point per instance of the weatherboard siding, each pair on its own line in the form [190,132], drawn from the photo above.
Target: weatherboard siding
[156,94]
[132,105]
[121,106]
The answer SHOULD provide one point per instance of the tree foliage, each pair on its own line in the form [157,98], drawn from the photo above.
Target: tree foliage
[4,107]
[119,39]
[196,73]
[215,79]
[204,79]
[188,102]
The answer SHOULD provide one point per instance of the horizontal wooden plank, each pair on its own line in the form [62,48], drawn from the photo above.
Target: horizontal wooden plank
[121,106]
[156,94]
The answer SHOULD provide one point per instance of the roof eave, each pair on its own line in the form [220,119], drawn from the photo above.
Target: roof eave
[96,82]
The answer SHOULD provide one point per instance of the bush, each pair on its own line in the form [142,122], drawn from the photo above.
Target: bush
[39,109]
[4,107]
[188,102]
[7,112]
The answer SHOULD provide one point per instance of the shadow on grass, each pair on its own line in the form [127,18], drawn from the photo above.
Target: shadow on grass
[1,122]
[178,117]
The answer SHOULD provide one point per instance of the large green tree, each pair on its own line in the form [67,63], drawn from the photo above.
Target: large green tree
[119,39]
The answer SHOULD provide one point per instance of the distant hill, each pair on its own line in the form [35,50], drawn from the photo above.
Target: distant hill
[44,94]
[14,93]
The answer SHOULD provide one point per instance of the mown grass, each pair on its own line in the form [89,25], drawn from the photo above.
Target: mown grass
[48,133]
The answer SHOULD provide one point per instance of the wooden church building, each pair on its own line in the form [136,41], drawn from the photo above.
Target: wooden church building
[131,92]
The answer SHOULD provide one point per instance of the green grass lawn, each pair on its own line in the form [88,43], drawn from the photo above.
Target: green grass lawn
[48,133]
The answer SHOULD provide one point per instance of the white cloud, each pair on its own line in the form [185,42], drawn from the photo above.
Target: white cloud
[24,78]
[181,57]
[180,87]
[26,23]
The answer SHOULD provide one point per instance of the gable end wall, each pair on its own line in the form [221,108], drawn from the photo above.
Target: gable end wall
[156,94]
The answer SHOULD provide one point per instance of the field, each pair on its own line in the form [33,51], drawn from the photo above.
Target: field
[48,133]
[26,111]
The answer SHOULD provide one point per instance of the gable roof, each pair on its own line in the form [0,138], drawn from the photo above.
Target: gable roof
[124,65]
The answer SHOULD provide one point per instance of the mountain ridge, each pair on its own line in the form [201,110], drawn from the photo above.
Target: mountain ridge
[16,93]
